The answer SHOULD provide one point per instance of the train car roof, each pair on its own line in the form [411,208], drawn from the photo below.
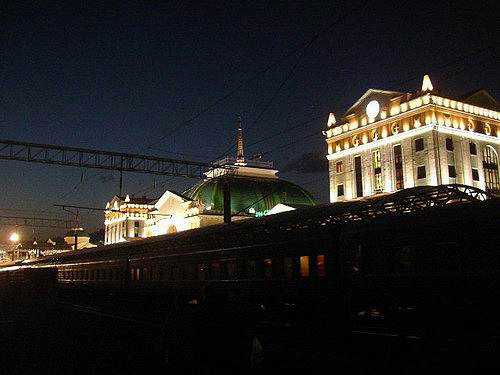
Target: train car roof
[401,202]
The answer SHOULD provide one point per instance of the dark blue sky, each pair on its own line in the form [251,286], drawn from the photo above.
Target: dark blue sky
[125,76]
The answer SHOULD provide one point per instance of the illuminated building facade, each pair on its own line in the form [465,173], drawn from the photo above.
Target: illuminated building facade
[255,190]
[389,140]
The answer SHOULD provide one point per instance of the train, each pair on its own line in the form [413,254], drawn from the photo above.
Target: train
[416,262]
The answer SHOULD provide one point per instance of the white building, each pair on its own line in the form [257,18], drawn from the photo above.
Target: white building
[391,140]
[254,189]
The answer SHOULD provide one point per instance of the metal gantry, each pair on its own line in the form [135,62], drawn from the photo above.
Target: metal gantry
[117,161]
[37,222]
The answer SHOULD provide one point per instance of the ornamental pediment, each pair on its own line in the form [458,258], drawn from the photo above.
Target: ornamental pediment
[373,103]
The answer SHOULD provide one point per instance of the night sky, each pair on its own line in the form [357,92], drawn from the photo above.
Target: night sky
[144,77]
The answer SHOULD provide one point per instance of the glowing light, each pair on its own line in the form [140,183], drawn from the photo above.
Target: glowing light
[476,110]
[460,106]
[337,130]
[455,123]
[346,144]
[363,121]
[426,99]
[364,139]
[447,121]
[337,148]
[466,107]
[345,127]
[383,115]
[384,132]
[427,84]
[440,121]
[353,125]
[374,134]
[331,120]
[416,123]
[446,102]
[404,107]
[372,109]
[462,126]
[394,110]
[481,112]
[330,148]
[14,237]
[453,104]
[439,100]
[395,128]
[406,126]
[427,120]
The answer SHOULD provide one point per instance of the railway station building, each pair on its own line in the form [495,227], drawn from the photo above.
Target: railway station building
[255,190]
[388,141]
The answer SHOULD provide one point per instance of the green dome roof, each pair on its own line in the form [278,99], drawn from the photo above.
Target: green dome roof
[261,194]
[79,233]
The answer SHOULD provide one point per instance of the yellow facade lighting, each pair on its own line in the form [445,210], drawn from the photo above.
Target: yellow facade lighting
[427,84]
[331,120]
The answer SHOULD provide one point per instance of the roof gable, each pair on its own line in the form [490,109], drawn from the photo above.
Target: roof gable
[481,98]
[382,96]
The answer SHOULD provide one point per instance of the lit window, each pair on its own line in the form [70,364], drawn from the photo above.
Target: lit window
[320,261]
[421,171]
[452,171]
[449,144]
[398,167]
[304,266]
[419,144]
[340,190]
[340,167]
[490,165]
[377,171]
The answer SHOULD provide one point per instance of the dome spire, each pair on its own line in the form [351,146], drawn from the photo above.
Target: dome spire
[240,158]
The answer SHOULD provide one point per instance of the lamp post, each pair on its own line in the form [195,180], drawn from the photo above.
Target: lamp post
[14,238]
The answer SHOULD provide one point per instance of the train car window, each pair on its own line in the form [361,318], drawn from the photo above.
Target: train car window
[304,266]
[175,272]
[92,274]
[232,270]
[353,257]
[188,272]
[250,269]
[201,271]
[441,257]
[287,267]
[215,271]
[320,262]
[138,274]
[268,268]
[97,275]
[86,274]
[145,274]
[405,259]
[132,274]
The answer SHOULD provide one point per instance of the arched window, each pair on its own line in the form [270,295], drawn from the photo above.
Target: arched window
[172,229]
[490,165]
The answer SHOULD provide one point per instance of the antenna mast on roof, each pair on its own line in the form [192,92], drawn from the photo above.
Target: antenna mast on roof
[240,158]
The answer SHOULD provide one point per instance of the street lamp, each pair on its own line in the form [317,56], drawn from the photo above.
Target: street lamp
[14,238]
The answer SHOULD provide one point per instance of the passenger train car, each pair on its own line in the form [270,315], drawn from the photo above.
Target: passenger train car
[421,249]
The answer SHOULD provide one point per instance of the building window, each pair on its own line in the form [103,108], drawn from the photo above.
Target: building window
[232,270]
[377,172]
[340,190]
[398,167]
[358,174]
[473,148]
[320,261]
[475,174]
[421,171]
[287,267]
[339,167]
[304,266]
[268,268]
[215,271]
[419,144]
[452,171]
[136,229]
[449,144]
[490,165]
